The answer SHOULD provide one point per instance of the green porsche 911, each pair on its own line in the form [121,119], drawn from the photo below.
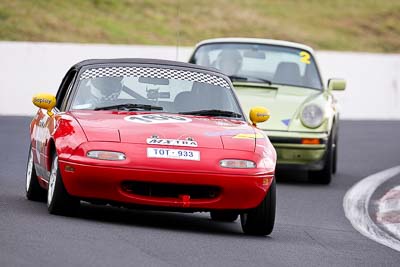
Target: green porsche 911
[284,77]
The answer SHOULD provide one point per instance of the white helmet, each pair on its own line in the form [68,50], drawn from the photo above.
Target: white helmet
[106,88]
[229,61]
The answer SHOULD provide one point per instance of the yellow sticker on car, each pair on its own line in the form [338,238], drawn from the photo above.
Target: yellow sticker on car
[248,136]
[305,57]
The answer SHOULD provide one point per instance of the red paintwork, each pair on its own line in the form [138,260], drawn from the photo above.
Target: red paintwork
[75,133]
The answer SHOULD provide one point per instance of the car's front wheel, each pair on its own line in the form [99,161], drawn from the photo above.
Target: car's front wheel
[33,190]
[261,220]
[58,199]
[335,152]
[324,176]
[224,216]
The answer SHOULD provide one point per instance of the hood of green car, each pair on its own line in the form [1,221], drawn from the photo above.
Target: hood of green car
[284,102]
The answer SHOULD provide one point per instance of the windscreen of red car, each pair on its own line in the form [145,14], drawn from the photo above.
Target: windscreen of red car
[156,89]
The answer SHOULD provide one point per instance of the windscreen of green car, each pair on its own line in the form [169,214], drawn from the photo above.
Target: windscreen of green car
[261,63]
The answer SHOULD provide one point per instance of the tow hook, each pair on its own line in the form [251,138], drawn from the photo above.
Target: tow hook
[185,200]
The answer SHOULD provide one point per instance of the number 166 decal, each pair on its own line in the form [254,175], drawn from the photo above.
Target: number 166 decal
[156,118]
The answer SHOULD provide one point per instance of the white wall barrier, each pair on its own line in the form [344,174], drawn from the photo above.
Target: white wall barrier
[373,80]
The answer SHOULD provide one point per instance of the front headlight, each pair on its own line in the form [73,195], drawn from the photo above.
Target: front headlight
[312,116]
[106,155]
[237,164]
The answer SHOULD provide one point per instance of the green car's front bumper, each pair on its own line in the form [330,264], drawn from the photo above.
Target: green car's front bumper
[293,154]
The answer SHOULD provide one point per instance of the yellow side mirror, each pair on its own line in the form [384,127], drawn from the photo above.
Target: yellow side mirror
[259,114]
[45,101]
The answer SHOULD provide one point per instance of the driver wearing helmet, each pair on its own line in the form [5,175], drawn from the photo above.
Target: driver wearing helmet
[97,91]
[229,62]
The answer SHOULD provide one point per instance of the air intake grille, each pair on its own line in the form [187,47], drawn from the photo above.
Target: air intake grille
[171,190]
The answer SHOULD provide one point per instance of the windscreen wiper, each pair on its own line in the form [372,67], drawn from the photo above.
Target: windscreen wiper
[213,112]
[246,78]
[237,78]
[130,107]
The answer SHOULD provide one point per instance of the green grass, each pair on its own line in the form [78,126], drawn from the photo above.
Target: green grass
[355,25]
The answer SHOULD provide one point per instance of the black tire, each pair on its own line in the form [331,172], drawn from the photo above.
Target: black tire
[261,220]
[334,160]
[224,216]
[58,200]
[335,151]
[324,176]
[34,191]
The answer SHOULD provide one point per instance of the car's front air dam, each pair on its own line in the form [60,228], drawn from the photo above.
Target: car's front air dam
[299,154]
[106,183]
[292,153]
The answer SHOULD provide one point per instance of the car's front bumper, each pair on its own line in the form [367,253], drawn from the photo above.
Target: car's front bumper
[292,154]
[237,192]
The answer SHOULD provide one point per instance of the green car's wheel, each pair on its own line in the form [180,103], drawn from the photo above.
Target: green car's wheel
[261,220]
[58,199]
[334,160]
[224,216]
[335,151]
[33,190]
[324,176]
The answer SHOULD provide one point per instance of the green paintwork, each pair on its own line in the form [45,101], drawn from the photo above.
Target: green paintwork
[286,104]
[299,155]
[336,84]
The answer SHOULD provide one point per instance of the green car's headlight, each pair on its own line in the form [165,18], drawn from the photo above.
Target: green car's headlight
[312,116]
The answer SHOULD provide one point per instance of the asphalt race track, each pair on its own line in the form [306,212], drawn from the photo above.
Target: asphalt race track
[311,228]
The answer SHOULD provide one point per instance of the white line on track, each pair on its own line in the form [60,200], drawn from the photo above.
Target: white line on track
[355,204]
[388,211]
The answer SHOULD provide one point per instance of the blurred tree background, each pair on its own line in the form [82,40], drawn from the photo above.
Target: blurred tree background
[353,25]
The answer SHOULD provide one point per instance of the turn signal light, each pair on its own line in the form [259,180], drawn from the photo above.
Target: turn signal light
[237,164]
[69,168]
[310,141]
[106,155]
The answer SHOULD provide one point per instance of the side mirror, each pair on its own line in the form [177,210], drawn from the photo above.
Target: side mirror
[259,114]
[45,101]
[336,84]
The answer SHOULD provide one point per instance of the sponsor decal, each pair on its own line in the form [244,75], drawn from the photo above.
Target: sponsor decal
[41,135]
[286,122]
[249,136]
[156,118]
[42,100]
[229,132]
[225,124]
[171,142]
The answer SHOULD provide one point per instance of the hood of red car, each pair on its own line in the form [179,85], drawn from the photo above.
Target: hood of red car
[131,127]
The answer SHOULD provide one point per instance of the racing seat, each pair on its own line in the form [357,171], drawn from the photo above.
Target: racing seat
[203,96]
[208,96]
[311,77]
[184,101]
[287,73]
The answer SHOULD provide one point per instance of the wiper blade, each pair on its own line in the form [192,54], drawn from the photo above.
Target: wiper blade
[246,78]
[237,78]
[130,107]
[213,112]
[262,80]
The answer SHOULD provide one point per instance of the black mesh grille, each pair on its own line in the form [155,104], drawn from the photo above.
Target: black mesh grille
[171,190]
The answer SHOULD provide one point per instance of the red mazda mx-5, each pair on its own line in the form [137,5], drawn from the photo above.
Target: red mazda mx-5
[154,134]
